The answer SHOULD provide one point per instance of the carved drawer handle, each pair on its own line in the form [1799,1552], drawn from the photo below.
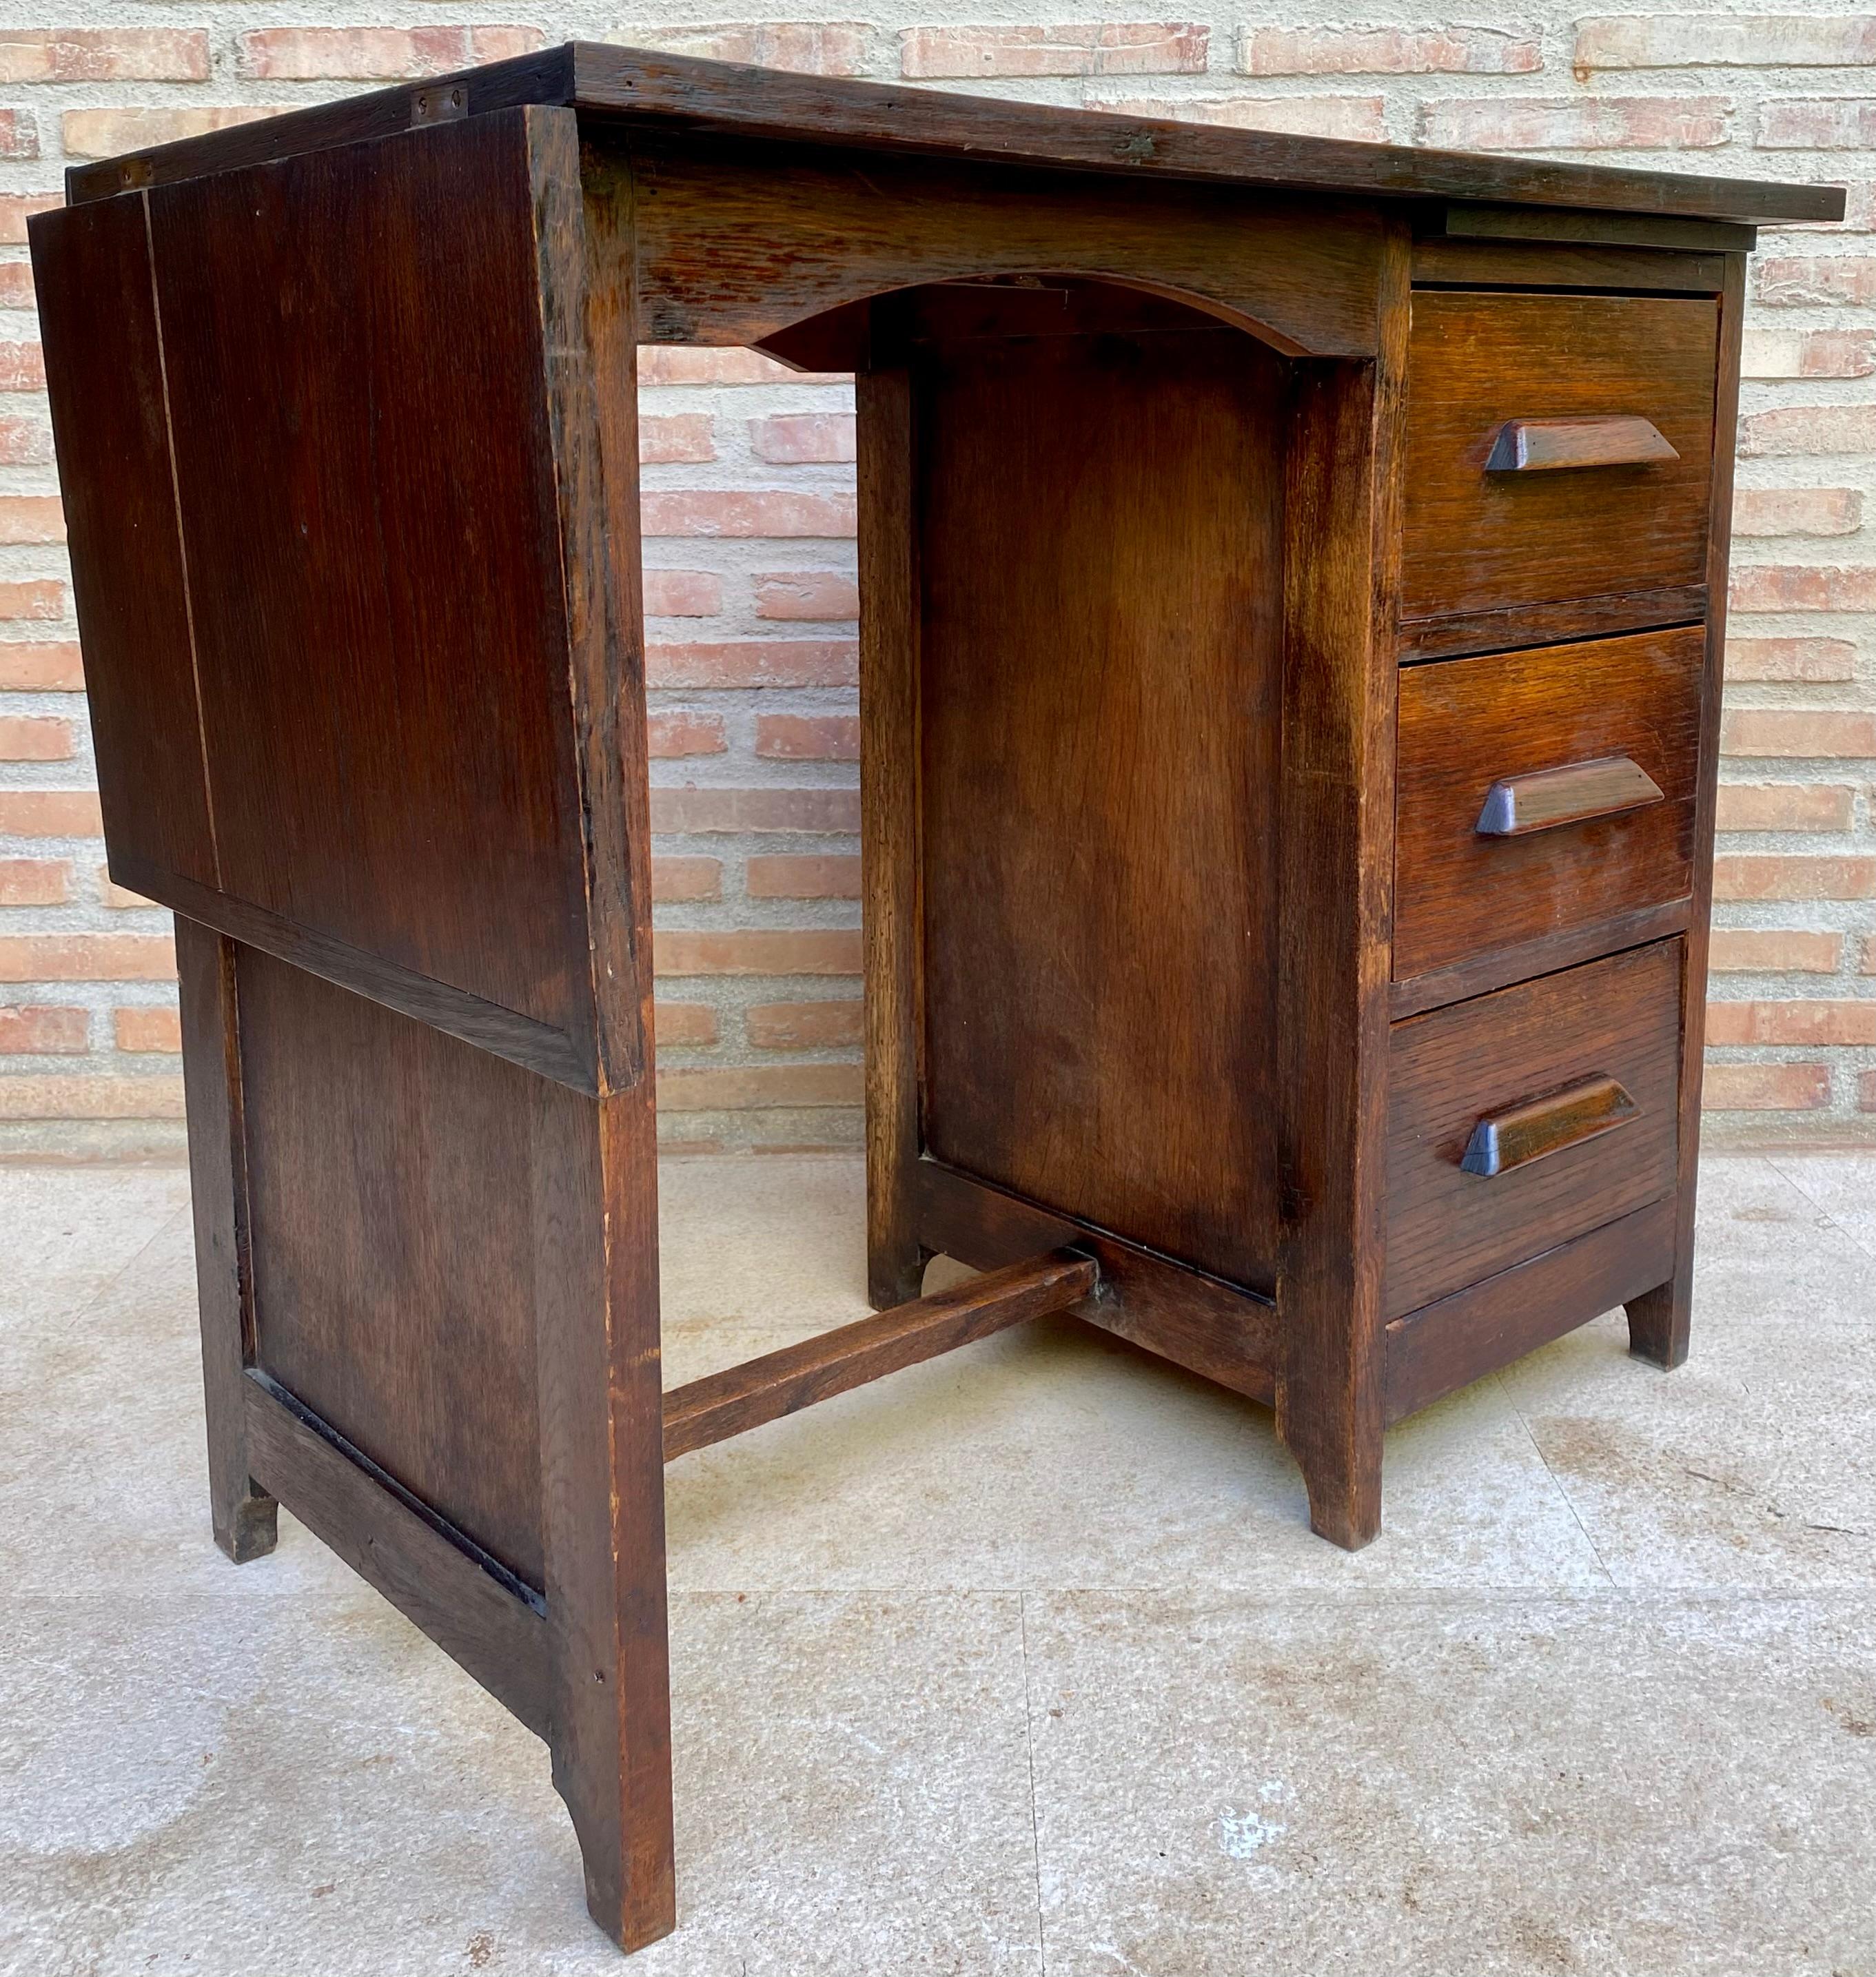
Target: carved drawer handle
[1548,1125]
[1518,805]
[1542,446]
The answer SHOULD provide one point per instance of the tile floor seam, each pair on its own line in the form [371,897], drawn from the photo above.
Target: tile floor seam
[1557,1482]
[1029,1741]
[1843,1228]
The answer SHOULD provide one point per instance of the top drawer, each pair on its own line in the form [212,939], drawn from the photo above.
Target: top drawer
[1483,532]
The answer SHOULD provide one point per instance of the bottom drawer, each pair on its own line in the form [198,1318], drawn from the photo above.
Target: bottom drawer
[1519,1120]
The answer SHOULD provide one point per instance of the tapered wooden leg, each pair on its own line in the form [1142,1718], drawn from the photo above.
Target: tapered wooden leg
[244,1515]
[889,772]
[1658,1321]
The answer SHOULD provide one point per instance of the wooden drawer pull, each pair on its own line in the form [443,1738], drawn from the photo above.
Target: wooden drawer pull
[1542,446]
[1547,798]
[1548,1125]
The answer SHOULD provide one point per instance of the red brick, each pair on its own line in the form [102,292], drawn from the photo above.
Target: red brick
[147,1030]
[666,438]
[49,813]
[1063,47]
[789,952]
[821,595]
[103,55]
[35,737]
[1814,1024]
[1385,51]
[1805,660]
[315,54]
[709,811]
[676,879]
[1766,1087]
[715,512]
[1695,41]
[1797,511]
[1866,1092]
[1559,124]
[24,442]
[120,898]
[1809,429]
[38,597]
[19,134]
[802,878]
[1774,951]
[16,290]
[745,1087]
[16,208]
[1361,119]
[1817,124]
[1785,806]
[680,732]
[788,438]
[833,1024]
[1801,733]
[43,1030]
[684,1024]
[803,47]
[1794,878]
[105,134]
[751,662]
[22,368]
[681,364]
[682,593]
[1869,954]
[91,1097]
[34,882]
[1780,587]
[86,957]
[1808,353]
[809,737]
[1800,280]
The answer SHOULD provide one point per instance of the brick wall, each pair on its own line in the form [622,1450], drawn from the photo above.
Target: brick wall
[749,549]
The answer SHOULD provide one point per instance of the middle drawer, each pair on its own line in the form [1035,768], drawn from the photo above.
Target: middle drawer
[1526,800]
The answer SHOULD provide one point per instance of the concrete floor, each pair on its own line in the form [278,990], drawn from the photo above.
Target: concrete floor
[1023,1661]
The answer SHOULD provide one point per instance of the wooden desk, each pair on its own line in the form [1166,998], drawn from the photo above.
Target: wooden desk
[1292,575]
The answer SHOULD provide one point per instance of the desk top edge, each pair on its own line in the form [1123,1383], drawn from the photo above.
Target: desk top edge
[640,87]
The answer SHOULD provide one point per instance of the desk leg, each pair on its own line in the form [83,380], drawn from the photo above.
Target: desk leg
[244,1516]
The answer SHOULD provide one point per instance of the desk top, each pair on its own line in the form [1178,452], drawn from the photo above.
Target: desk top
[634,86]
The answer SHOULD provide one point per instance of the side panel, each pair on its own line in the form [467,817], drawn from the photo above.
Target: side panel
[1100,550]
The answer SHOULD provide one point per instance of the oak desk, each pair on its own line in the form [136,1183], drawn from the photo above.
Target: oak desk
[1292,579]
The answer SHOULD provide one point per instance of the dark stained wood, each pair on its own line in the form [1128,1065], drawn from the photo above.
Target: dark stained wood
[1099,728]
[1458,221]
[478,1617]
[1435,1350]
[1209,1328]
[640,87]
[388,1178]
[1518,264]
[1659,1320]
[889,614]
[1567,619]
[1553,446]
[379,612]
[129,590]
[736,242]
[244,1515]
[1342,534]
[1618,1018]
[1497,967]
[1479,541]
[1468,726]
[1551,1125]
[594,1166]
[741,1398]
[1548,799]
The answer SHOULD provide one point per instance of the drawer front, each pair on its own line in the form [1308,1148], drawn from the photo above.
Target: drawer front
[1530,474]
[1559,1095]
[1543,791]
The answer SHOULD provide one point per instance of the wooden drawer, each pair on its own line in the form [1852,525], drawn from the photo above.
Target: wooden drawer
[1504,1058]
[1483,532]
[1527,801]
